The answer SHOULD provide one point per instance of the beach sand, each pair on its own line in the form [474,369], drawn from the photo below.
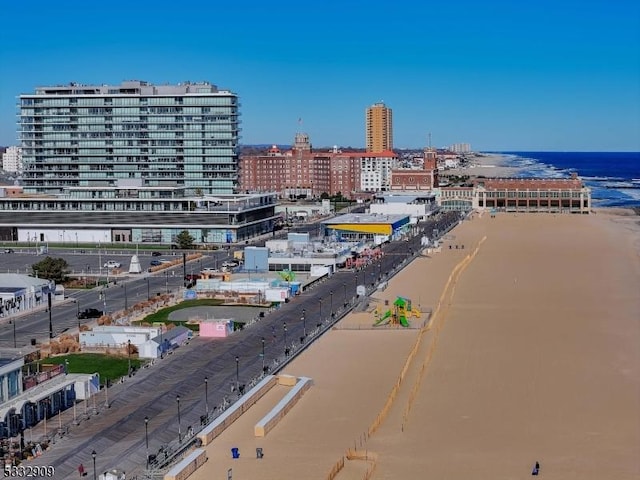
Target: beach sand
[531,356]
[487,165]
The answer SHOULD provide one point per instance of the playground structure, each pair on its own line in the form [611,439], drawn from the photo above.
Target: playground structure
[287,275]
[401,310]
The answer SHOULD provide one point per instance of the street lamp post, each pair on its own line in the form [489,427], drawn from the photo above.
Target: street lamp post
[93,455]
[148,293]
[206,397]
[146,437]
[129,355]
[237,372]
[286,350]
[263,369]
[320,300]
[49,307]
[14,333]
[179,420]
[166,281]
[304,323]
[344,286]
[126,300]
[331,304]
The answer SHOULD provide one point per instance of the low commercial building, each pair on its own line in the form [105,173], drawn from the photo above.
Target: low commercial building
[556,195]
[132,213]
[418,206]
[26,400]
[368,227]
[21,293]
[551,195]
[116,336]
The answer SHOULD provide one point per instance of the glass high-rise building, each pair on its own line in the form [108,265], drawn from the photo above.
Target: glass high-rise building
[133,134]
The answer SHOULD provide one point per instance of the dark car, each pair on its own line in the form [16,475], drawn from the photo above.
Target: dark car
[8,250]
[90,313]
[155,263]
[156,254]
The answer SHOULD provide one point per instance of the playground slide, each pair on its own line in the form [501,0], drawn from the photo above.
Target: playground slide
[386,315]
[403,320]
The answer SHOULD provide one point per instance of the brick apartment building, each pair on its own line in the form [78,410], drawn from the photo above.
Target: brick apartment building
[410,179]
[301,172]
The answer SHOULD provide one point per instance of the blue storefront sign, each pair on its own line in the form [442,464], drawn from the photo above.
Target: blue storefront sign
[190,295]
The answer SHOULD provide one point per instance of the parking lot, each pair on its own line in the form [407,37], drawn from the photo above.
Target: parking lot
[89,263]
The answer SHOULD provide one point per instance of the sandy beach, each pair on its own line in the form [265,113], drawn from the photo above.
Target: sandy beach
[487,165]
[531,355]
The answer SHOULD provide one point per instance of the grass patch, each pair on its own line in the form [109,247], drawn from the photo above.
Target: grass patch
[108,366]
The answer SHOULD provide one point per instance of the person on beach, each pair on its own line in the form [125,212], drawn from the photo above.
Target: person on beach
[536,469]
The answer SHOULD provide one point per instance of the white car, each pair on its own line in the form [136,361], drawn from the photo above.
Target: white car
[112,264]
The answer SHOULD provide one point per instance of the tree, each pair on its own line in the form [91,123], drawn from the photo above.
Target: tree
[324,196]
[184,240]
[55,269]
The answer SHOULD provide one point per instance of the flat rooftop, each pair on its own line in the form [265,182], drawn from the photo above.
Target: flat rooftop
[404,197]
[378,218]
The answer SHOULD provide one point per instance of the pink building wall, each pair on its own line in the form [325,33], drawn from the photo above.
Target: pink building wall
[215,329]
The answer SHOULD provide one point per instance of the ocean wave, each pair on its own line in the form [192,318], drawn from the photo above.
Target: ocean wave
[618,185]
[606,190]
[604,179]
[601,196]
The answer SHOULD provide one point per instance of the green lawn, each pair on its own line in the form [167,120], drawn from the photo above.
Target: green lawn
[109,367]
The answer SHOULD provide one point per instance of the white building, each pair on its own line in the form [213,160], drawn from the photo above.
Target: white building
[10,376]
[157,346]
[375,171]
[460,147]
[417,206]
[12,160]
[19,293]
[118,336]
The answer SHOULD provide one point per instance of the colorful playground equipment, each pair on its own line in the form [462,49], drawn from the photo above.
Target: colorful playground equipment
[402,309]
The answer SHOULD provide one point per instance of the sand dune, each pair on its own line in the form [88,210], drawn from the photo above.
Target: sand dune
[532,355]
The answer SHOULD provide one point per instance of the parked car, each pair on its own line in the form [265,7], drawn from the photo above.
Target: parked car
[112,264]
[8,250]
[155,263]
[192,277]
[156,254]
[90,313]
[230,264]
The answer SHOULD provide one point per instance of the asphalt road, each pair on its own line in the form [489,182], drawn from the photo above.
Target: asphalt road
[118,433]
[35,324]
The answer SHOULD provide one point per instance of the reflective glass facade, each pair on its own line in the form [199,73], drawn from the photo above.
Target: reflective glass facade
[183,135]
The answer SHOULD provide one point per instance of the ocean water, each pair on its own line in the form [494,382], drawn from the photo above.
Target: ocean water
[614,177]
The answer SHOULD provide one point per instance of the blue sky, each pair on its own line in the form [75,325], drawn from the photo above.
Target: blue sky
[500,75]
